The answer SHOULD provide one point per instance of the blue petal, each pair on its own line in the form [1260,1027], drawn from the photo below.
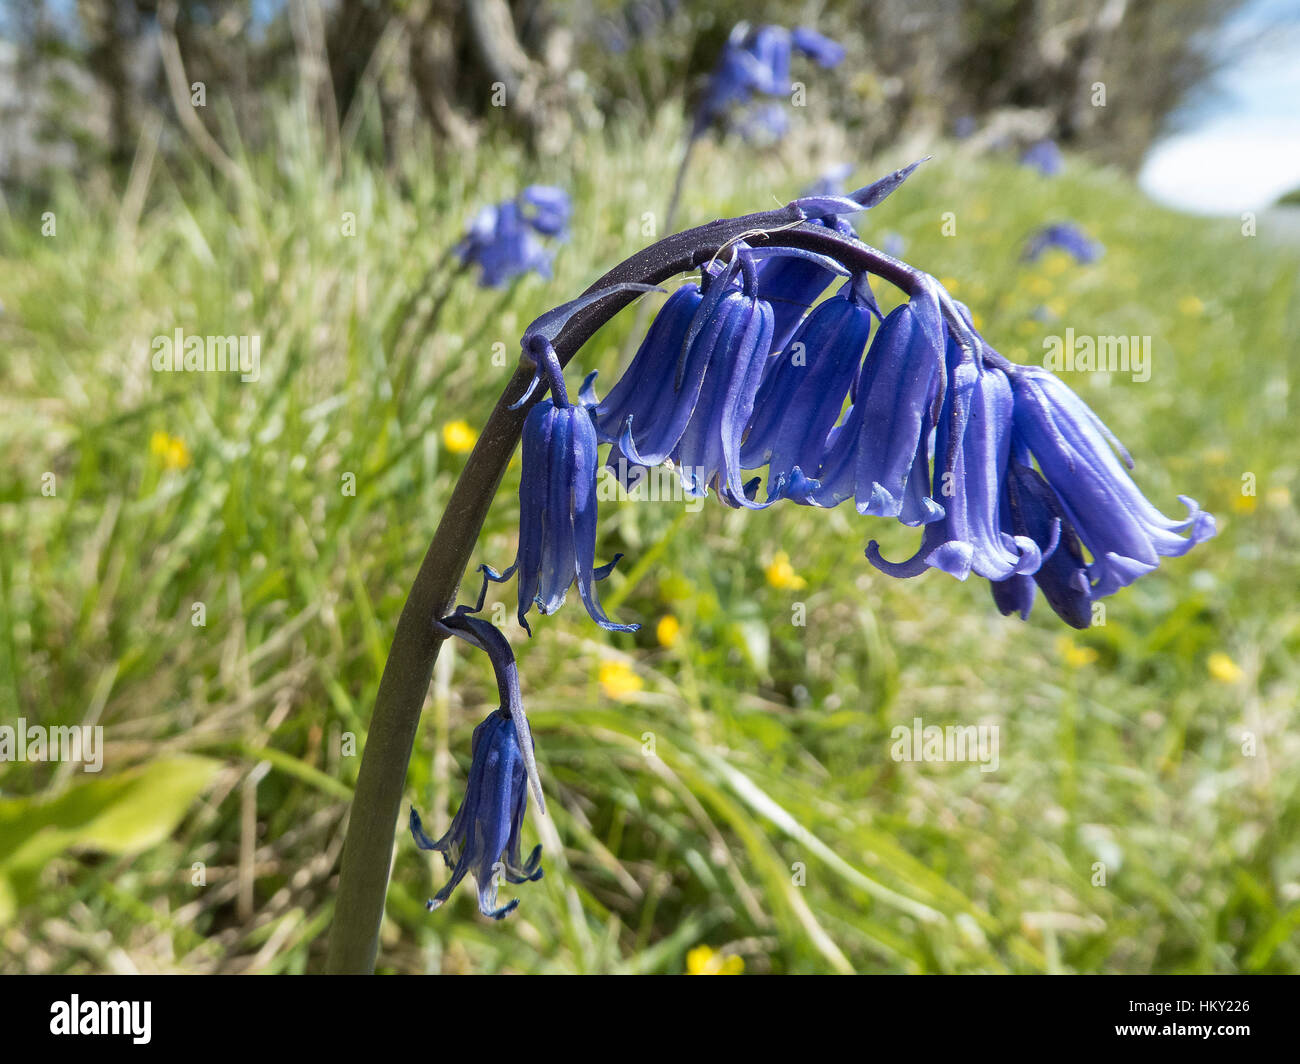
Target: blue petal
[584,520]
[817,46]
[709,446]
[875,454]
[644,392]
[1124,532]
[972,446]
[559,565]
[533,482]
[798,404]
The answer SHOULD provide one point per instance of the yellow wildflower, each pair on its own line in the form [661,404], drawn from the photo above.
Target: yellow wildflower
[703,961]
[1191,306]
[667,630]
[171,449]
[781,573]
[1038,286]
[458,437]
[1223,668]
[1075,656]
[618,680]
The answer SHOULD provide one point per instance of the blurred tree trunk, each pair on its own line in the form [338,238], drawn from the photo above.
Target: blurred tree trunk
[111,28]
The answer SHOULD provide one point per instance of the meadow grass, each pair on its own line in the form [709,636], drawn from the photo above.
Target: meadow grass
[1158,751]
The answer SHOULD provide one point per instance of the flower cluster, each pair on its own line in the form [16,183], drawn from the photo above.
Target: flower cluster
[755,368]
[910,414]
[756,62]
[502,240]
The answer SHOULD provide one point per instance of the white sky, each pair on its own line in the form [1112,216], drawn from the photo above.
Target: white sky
[1238,147]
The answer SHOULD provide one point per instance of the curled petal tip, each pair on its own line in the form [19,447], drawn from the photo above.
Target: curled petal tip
[1202,523]
[954,558]
[880,503]
[501,913]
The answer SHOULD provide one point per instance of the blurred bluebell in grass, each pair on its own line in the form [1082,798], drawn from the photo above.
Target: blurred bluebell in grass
[502,239]
[756,62]
[1045,157]
[1067,237]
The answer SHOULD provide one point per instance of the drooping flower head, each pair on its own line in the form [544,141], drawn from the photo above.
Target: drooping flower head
[1009,475]
[557,514]
[1077,455]
[483,839]
[502,240]
[557,487]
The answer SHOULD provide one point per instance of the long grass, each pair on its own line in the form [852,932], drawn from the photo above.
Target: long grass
[738,790]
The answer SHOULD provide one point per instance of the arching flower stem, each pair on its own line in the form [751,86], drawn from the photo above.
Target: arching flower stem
[376,804]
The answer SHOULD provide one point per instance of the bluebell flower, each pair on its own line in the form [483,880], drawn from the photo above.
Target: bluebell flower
[1076,453]
[502,240]
[699,386]
[1066,236]
[1045,157]
[557,514]
[817,46]
[546,208]
[972,446]
[1030,508]
[801,396]
[756,61]
[880,456]
[484,835]
[708,453]
[771,47]
[964,126]
[736,77]
[648,396]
